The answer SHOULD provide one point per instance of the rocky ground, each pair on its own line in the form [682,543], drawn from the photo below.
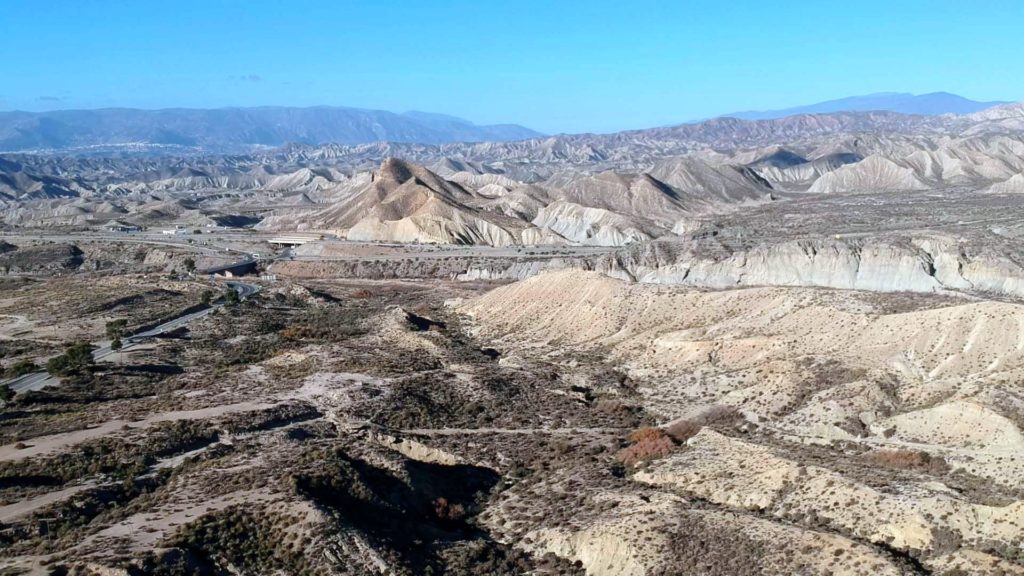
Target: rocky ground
[569,423]
[884,436]
[307,430]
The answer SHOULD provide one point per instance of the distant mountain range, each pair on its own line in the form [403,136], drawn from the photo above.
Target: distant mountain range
[932,104]
[181,131]
[237,129]
[602,189]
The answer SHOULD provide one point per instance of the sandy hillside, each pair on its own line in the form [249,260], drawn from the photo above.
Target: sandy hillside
[837,390]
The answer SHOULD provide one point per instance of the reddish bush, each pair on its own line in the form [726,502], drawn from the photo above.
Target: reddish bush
[646,444]
[447,511]
[644,434]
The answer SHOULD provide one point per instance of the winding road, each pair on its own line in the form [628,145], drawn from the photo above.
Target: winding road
[41,379]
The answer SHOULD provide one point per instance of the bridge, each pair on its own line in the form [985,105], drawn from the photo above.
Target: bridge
[234,269]
[294,240]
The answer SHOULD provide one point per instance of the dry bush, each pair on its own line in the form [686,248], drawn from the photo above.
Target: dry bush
[908,460]
[360,294]
[611,407]
[646,444]
[683,430]
[719,413]
[422,309]
[619,413]
[448,511]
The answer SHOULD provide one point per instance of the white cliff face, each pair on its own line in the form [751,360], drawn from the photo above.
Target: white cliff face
[872,173]
[589,226]
[924,265]
[997,275]
[1012,185]
[518,270]
[455,229]
[540,237]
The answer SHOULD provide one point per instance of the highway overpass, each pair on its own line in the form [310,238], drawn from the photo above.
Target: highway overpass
[234,269]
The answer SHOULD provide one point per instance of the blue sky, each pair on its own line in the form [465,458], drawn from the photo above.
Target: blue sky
[556,66]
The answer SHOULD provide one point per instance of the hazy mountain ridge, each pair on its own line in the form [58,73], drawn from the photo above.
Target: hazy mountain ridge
[932,104]
[850,135]
[524,160]
[236,129]
[184,132]
[635,149]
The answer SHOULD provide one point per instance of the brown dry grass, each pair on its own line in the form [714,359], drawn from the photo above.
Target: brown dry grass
[683,430]
[908,460]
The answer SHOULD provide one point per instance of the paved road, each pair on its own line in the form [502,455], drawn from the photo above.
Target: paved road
[39,380]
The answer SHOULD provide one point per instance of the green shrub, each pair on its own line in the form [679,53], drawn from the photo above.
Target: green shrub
[20,368]
[76,359]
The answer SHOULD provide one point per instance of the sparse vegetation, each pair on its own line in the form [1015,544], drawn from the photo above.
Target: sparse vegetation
[119,459]
[339,426]
[115,329]
[250,541]
[326,322]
